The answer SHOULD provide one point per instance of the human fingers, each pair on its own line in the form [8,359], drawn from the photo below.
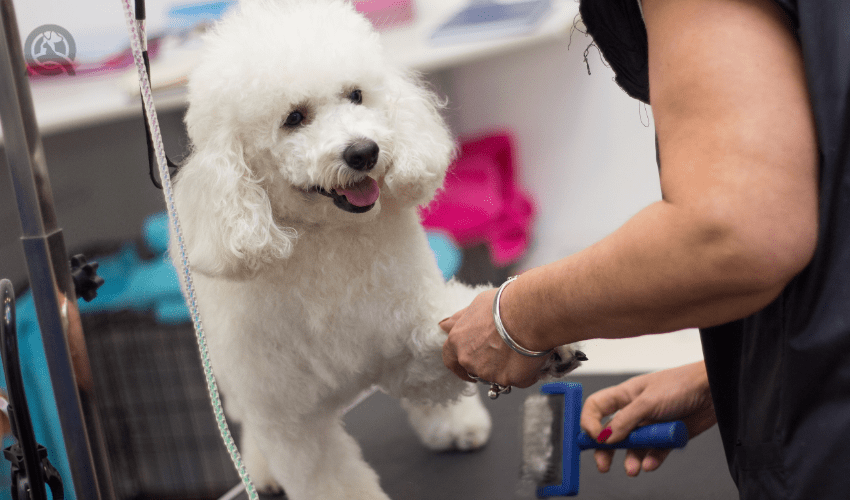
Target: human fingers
[452,363]
[523,372]
[680,393]
[654,458]
[603,458]
[495,362]
[599,405]
[644,460]
[632,462]
[448,323]
[636,412]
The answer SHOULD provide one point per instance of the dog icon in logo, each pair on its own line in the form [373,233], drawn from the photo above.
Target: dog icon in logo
[50,50]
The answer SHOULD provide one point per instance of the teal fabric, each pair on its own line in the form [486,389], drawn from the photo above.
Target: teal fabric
[449,256]
[130,283]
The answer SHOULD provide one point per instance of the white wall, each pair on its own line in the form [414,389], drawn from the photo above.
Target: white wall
[582,150]
[585,155]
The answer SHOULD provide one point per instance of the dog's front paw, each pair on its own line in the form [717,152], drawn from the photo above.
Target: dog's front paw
[258,468]
[462,425]
[266,485]
[565,359]
[271,492]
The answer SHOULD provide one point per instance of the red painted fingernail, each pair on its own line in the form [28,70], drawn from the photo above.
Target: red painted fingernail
[605,434]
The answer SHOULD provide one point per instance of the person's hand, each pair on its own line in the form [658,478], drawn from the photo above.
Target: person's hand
[474,347]
[676,394]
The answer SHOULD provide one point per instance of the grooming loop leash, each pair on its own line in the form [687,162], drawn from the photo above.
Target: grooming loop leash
[136,29]
[143,41]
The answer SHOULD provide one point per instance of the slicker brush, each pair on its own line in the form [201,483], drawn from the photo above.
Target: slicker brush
[553,440]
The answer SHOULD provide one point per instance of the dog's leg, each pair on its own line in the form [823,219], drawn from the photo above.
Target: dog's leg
[460,425]
[460,420]
[317,459]
[255,462]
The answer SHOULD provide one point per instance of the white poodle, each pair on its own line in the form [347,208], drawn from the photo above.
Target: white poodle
[314,277]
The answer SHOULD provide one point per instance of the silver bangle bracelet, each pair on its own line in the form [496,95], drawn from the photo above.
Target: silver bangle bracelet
[497,319]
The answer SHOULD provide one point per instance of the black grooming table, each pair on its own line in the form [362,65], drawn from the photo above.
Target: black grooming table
[410,472]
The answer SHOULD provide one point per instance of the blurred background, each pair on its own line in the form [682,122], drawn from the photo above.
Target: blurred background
[541,124]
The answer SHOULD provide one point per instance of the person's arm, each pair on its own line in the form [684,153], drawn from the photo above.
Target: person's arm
[738,217]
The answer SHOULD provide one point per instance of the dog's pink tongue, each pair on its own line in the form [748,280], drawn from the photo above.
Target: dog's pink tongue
[362,194]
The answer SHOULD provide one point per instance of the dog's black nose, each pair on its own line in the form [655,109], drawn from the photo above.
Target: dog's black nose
[362,154]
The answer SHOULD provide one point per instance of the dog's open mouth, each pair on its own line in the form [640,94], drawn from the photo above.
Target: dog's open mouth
[356,198]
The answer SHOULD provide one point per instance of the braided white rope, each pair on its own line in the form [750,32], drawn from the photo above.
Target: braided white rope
[136,39]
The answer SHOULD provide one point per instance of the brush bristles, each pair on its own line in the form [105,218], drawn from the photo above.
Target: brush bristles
[542,441]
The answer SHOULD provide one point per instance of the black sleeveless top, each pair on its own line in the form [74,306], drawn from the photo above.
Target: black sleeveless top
[780,378]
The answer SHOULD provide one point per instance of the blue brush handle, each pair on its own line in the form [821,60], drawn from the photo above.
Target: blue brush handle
[663,435]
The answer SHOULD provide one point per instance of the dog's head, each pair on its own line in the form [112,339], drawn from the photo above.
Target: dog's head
[298,121]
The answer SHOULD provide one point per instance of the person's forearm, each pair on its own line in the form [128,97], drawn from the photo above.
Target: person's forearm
[663,270]
[737,142]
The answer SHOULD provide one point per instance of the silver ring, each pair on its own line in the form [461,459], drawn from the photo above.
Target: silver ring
[496,389]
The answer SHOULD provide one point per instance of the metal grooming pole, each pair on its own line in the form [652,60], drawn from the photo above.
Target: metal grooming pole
[49,270]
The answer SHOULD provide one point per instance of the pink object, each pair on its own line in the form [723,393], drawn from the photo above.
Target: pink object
[117,61]
[363,193]
[386,14]
[481,201]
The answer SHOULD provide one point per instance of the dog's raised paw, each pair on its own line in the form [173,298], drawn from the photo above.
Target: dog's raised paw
[564,360]
[463,425]
[273,493]
[268,489]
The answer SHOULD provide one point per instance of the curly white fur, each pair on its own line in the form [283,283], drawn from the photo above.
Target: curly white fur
[306,304]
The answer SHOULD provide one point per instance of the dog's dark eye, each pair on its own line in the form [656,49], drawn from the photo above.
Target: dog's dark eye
[356,96]
[294,119]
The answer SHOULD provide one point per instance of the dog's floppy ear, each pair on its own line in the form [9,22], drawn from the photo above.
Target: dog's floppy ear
[226,215]
[422,146]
